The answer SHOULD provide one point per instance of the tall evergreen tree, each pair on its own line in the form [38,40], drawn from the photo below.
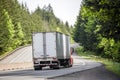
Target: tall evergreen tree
[19,37]
[98,23]
[17,24]
[7,32]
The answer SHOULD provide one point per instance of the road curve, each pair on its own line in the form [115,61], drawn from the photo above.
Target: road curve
[80,64]
[98,73]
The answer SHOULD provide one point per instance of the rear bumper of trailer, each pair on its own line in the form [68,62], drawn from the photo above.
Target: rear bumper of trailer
[46,63]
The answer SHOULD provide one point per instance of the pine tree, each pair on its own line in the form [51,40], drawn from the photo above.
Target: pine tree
[19,37]
[7,32]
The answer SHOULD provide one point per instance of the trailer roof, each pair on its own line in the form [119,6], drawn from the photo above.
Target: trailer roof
[50,32]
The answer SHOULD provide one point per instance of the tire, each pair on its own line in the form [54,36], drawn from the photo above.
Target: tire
[51,67]
[38,68]
[68,64]
[57,67]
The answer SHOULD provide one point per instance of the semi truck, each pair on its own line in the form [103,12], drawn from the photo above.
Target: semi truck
[51,49]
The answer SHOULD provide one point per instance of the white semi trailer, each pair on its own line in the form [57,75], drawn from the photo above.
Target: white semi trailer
[51,49]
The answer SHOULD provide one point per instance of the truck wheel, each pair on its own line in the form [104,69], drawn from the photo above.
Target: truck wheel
[38,68]
[68,64]
[57,67]
[51,67]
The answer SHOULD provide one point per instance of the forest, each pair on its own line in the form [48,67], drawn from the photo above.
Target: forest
[98,28]
[17,24]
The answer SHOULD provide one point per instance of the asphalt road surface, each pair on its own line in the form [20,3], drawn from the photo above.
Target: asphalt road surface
[29,74]
[82,69]
[98,73]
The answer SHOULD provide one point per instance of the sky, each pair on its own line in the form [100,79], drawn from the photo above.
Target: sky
[65,10]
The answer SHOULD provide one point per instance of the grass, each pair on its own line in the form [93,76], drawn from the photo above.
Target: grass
[3,55]
[109,64]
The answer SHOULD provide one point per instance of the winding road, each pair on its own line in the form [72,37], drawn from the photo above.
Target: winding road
[18,66]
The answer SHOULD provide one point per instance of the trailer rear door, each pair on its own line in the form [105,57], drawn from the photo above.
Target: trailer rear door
[38,45]
[51,44]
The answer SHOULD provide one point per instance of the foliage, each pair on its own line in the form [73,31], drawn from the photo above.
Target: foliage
[6,36]
[85,32]
[98,27]
[109,64]
[17,24]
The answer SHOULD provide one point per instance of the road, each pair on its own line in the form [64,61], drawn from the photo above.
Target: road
[23,57]
[79,65]
[98,73]
[19,59]
[19,56]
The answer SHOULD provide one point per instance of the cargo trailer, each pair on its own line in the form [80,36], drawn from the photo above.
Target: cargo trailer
[51,49]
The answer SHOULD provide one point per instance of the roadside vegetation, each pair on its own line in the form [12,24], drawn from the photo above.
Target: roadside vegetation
[98,30]
[110,64]
[17,24]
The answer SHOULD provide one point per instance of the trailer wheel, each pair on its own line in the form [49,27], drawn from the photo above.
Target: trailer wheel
[51,67]
[38,68]
[57,66]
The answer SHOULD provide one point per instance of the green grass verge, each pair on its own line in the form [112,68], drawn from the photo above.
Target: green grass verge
[109,64]
[71,40]
[4,55]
